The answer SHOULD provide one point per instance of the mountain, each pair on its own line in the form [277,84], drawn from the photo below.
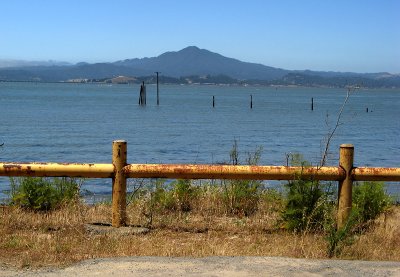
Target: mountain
[194,61]
[190,61]
[190,65]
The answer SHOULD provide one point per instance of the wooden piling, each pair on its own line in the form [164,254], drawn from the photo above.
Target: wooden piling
[213,101]
[119,160]
[312,103]
[142,95]
[251,101]
[158,94]
[345,191]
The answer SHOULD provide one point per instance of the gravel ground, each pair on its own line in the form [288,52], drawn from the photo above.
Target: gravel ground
[215,266]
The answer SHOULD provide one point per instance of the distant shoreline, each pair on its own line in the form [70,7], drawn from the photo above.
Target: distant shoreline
[196,84]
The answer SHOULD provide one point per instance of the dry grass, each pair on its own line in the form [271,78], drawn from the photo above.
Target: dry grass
[380,243]
[58,238]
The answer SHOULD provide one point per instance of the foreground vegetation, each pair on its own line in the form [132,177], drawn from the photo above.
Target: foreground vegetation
[187,218]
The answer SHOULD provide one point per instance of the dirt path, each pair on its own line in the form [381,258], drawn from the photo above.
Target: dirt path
[216,266]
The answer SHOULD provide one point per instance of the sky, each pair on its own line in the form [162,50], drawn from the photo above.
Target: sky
[327,35]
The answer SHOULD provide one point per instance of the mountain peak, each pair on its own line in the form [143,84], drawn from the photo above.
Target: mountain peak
[190,48]
[186,51]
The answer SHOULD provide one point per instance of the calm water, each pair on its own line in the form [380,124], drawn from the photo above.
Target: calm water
[78,122]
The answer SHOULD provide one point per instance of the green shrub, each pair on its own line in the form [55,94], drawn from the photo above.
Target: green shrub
[43,194]
[241,197]
[157,197]
[308,203]
[183,193]
[338,238]
[308,206]
[273,200]
[179,195]
[160,198]
[369,200]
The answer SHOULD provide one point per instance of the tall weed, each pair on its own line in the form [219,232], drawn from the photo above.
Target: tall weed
[241,197]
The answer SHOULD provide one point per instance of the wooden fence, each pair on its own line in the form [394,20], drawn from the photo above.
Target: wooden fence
[345,173]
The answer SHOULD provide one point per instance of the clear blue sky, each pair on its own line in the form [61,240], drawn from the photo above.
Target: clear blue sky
[338,35]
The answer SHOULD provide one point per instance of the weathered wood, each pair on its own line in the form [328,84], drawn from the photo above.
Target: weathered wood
[158,91]
[346,159]
[119,148]
[142,95]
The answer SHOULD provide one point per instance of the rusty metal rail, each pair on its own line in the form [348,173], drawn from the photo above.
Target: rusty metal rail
[57,170]
[345,173]
[376,174]
[243,172]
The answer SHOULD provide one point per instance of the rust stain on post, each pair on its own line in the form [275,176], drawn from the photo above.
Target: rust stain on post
[346,159]
[119,159]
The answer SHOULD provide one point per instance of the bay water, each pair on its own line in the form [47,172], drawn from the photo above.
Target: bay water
[59,122]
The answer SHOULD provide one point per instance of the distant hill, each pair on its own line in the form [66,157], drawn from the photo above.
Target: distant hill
[190,65]
[5,63]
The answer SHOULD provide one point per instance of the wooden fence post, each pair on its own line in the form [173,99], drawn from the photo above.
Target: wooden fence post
[346,158]
[119,183]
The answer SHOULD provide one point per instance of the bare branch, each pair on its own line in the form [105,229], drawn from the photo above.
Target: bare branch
[330,135]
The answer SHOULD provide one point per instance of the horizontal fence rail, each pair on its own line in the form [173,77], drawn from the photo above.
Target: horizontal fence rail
[119,171]
[57,170]
[196,171]
[376,174]
[243,172]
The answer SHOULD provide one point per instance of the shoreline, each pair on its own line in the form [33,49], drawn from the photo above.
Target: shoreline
[201,84]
